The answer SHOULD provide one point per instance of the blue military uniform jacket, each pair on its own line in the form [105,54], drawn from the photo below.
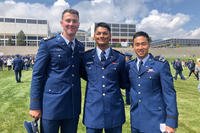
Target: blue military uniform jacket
[104,106]
[18,64]
[153,98]
[55,87]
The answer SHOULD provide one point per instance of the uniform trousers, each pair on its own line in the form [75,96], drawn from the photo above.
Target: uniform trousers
[65,126]
[107,130]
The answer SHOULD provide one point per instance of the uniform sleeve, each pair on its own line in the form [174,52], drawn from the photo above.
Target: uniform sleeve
[169,96]
[124,80]
[39,77]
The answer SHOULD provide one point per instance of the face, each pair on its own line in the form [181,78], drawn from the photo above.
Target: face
[102,36]
[70,24]
[141,46]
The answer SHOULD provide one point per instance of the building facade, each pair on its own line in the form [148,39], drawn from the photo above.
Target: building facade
[33,29]
[176,43]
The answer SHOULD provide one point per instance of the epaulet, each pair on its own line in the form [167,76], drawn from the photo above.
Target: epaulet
[160,58]
[48,38]
[87,51]
[118,52]
[131,60]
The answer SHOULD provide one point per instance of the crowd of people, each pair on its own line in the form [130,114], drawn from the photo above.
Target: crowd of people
[16,63]
[179,66]
[6,62]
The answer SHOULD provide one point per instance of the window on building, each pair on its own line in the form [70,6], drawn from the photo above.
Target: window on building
[42,21]
[123,25]
[32,37]
[1,19]
[115,29]
[20,20]
[10,20]
[130,34]
[31,21]
[115,25]
[115,34]
[123,34]
[123,30]
[131,26]
[131,30]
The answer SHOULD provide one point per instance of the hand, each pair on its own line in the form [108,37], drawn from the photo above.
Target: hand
[169,129]
[36,114]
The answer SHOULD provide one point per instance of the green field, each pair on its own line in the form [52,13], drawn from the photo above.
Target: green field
[14,101]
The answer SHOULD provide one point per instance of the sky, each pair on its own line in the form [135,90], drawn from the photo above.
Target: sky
[161,19]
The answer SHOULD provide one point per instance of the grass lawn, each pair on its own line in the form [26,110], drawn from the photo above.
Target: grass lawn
[14,101]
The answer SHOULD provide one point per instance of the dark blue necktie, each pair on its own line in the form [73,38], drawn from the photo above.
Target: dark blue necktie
[103,57]
[140,65]
[70,45]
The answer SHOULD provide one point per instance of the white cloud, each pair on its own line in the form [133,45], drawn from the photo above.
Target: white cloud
[158,25]
[163,25]
[9,8]
[113,11]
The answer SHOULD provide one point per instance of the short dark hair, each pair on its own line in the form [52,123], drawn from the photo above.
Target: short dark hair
[142,33]
[71,11]
[102,24]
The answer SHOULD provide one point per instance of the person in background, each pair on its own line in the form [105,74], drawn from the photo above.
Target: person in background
[197,72]
[1,64]
[152,93]
[55,95]
[9,63]
[105,72]
[191,67]
[18,67]
[179,69]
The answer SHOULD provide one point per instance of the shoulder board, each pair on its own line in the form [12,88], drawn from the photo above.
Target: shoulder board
[131,60]
[160,58]
[48,38]
[118,52]
[90,50]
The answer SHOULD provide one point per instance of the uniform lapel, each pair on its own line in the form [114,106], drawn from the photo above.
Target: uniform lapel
[147,65]
[96,58]
[111,58]
[134,66]
[61,43]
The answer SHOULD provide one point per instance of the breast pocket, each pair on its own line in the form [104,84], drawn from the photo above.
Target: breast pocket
[60,59]
[91,72]
[113,72]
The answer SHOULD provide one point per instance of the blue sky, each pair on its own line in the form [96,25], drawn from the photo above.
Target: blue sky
[161,19]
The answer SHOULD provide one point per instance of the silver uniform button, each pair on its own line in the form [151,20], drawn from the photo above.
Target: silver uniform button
[103,77]
[72,84]
[103,94]
[139,85]
[139,92]
[72,56]
[103,86]
[139,77]
[72,65]
[139,101]
[49,90]
[102,68]
[72,75]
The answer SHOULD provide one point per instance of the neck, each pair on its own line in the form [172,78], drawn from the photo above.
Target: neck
[103,47]
[69,37]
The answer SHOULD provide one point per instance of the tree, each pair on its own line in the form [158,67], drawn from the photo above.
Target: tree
[21,39]
[10,42]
